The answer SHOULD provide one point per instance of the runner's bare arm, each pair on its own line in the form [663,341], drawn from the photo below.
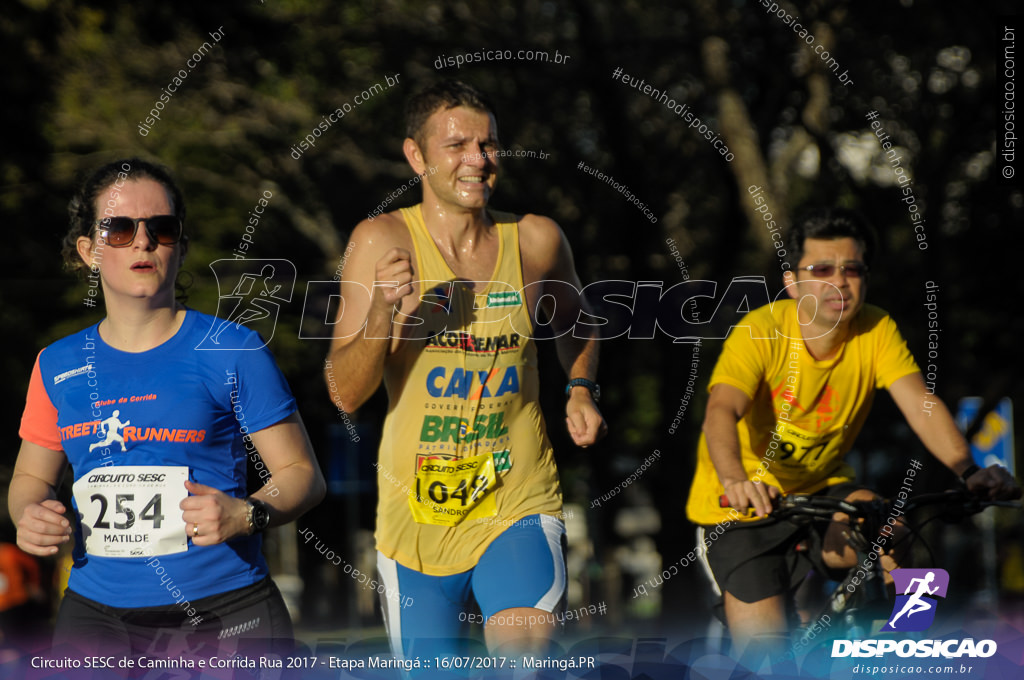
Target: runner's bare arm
[32,500]
[726,406]
[362,337]
[294,486]
[938,432]
[547,257]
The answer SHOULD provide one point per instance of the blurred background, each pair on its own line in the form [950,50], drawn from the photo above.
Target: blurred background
[80,79]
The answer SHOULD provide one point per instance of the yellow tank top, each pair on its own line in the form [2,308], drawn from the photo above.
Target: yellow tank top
[465,452]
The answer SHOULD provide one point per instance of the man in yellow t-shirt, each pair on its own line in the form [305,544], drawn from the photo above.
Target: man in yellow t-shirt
[789,395]
[439,303]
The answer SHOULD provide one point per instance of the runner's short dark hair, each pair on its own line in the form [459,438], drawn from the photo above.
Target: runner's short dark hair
[443,95]
[828,224]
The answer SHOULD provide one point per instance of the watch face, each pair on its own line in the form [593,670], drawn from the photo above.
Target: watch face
[260,516]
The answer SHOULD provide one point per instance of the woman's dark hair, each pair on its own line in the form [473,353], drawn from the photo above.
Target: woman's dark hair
[443,95]
[82,207]
[828,224]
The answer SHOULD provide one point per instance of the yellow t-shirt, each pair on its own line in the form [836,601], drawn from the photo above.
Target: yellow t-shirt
[805,414]
[465,452]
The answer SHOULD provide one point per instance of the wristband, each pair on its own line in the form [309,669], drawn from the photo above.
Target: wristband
[595,389]
[968,472]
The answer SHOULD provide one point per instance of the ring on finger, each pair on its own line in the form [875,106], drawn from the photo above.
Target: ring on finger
[195,529]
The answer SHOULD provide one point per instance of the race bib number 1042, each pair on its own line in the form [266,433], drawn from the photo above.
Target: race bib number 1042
[132,510]
[449,492]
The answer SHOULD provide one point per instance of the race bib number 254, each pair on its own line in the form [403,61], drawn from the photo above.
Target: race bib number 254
[132,510]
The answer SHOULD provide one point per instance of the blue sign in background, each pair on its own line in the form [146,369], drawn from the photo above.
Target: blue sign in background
[993,444]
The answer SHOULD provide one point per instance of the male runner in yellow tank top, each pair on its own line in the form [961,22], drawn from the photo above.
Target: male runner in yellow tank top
[438,303]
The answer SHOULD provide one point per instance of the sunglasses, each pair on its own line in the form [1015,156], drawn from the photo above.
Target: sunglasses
[854,270]
[119,232]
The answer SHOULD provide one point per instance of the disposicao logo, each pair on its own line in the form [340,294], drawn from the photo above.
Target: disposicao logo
[914,610]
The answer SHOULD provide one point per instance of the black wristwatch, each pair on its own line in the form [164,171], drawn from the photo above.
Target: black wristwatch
[258,515]
[968,472]
[595,389]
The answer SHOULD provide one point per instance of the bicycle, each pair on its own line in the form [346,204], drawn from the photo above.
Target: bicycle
[862,593]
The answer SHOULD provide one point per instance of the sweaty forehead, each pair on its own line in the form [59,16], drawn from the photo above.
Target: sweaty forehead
[461,122]
[831,250]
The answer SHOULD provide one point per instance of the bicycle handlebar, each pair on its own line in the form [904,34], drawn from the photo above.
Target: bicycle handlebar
[958,504]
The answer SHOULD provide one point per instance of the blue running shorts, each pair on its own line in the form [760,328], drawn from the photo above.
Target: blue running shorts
[428,616]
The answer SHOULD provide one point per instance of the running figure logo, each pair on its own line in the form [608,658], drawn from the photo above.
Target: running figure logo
[914,610]
[111,434]
[258,287]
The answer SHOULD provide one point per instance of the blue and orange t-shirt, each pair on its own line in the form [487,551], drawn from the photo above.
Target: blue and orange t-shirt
[173,406]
